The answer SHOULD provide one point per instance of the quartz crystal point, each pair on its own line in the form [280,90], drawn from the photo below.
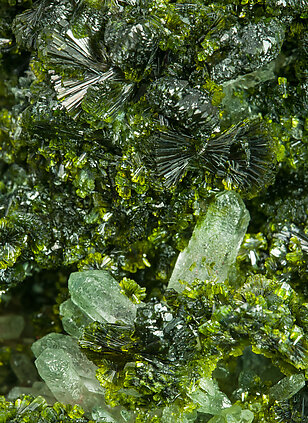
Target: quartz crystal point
[98,295]
[233,414]
[73,319]
[57,345]
[69,375]
[287,387]
[210,399]
[214,244]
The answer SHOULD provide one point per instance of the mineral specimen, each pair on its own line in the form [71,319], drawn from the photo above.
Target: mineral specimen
[116,133]
[174,346]
[99,296]
[214,244]
[125,128]
[37,410]
[11,327]
[68,374]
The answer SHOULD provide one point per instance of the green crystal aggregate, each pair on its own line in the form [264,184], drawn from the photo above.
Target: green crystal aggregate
[97,143]
[136,139]
[36,410]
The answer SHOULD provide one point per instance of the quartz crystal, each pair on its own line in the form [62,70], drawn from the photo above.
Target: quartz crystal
[172,413]
[23,368]
[53,346]
[234,414]
[37,389]
[69,375]
[214,244]
[11,327]
[73,319]
[98,295]
[210,398]
[287,387]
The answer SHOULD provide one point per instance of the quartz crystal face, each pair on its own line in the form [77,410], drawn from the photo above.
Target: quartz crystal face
[214,244]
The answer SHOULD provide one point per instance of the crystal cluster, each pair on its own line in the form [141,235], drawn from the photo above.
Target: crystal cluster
[95,296]
[156,151]
[118,129]
[142,358]
[37,410]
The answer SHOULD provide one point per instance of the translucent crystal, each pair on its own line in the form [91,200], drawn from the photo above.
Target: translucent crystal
[287,387]
[11,327]
[215,242]
[99,296]
[23,368]
[67,372]
[172,413]
[101,414]
[37,389]
[73,319]
[70,376]
[209,398]
[234,414]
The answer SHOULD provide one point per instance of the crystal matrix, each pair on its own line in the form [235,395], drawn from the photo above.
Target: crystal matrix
[120,121]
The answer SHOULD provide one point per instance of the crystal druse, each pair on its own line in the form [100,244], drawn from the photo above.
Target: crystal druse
[149,355]
[153,211]
[98,314]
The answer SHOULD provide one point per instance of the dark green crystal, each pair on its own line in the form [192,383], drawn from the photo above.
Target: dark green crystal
[120,121]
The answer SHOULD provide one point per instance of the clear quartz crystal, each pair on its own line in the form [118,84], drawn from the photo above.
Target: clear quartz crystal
[214,244]
[209,397]
[73,319]
[70,376]
[56,343]
[37,389]
[287,387]
[23,367]
[99,296]
[233,414]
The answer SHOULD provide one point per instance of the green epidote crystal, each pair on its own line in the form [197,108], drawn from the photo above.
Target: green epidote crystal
[214,244]
[36,410]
